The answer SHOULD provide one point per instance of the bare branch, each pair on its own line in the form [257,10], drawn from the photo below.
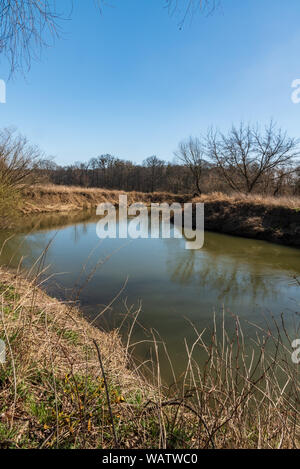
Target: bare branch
[25,27]
[248,157]
[191,154]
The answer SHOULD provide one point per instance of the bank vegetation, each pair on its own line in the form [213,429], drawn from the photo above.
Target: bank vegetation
[67,384]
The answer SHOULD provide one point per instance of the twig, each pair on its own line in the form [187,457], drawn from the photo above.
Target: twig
[107,393]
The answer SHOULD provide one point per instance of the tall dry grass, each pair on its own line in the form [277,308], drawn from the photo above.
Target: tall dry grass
[66,384]
[255,199]
[52,198]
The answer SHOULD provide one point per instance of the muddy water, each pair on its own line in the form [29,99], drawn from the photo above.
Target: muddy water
[172,286]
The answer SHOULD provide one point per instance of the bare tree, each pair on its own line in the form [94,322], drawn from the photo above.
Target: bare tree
[111,172]
[17,159]
[296,186]
[25,27]
[191,153]
[155,168]
[247,155]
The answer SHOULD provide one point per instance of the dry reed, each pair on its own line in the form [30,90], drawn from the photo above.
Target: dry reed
[53,392]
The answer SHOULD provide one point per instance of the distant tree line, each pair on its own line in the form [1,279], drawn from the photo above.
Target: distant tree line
[247,159]
[110,172]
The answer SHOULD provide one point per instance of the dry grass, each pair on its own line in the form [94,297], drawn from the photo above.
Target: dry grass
[52,198]
[253,199]
[51,387]
[54,394]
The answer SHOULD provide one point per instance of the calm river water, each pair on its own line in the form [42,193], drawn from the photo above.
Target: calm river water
[175,286]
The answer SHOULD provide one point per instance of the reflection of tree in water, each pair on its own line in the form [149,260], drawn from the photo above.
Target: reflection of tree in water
[233,267]
[79,230]
[21,247]
[32,236]
[53,221]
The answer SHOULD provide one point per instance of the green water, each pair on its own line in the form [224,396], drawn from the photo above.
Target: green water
[174,286]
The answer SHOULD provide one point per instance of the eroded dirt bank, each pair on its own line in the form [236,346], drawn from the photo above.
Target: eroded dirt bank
[270,223]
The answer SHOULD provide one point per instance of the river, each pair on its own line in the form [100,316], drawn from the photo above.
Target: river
[173,287]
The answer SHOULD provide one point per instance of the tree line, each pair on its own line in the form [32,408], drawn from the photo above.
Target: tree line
[246,159]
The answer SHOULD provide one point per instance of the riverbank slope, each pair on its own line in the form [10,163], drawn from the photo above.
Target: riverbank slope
[266,218]
[65,384]
[50,198]
[52,385]
[271,219]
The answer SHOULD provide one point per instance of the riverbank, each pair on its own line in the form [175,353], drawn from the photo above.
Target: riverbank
[51,198]
[266,218]
[276,220]
[52,388]
[55,394]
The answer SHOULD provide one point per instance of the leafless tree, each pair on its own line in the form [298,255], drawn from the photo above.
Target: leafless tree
[111,172]
[192,154]
[155,167]
[17,162]
[17,159]
[248,155]
[25,27]
[296,186]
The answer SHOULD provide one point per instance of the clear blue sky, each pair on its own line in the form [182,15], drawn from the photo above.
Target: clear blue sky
[129,82]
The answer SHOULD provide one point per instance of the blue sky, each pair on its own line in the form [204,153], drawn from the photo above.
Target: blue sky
[129,82]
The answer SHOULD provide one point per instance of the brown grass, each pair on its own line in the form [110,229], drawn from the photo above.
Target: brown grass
[54,394]
[253,199]
[51,387]
[52,198]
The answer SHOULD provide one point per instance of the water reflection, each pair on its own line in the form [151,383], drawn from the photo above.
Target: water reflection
[31,235]
[227,275]
[234,267]
[246,277]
